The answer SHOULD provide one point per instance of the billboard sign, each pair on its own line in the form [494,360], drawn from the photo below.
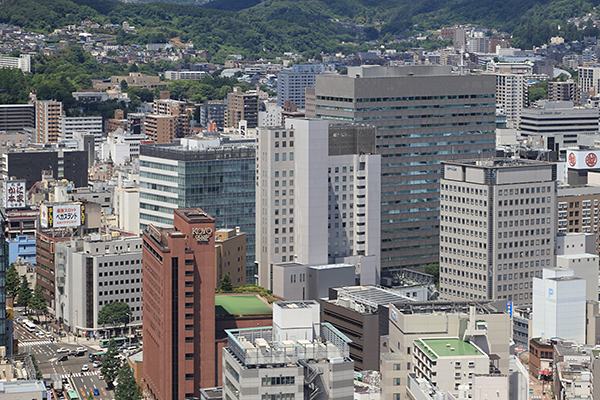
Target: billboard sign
[583,159]
[14,194]
[62,215]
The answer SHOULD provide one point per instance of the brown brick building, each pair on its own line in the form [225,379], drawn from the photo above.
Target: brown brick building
[179,306]
[241,106]
[578,209]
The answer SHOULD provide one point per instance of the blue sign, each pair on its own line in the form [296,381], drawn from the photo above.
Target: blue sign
[394,316]
[550,292]
[509,308]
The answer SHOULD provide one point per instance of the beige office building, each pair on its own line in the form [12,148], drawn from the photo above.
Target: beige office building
[497,228]
[47,120]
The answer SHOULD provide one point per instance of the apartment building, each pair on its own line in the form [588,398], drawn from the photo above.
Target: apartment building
[291,83]
[47,120]
[511,97]
[588,80]
[168,121]
[423,115]
[242,106]
[23,62]
[296,358]
[179,306]
[498,228]
[299,166]
[578,208]
[94,271]
[89,125]
[564,91]
[230,253]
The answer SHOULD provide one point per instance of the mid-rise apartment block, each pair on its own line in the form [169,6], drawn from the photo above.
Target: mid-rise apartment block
[179,306]
[221,180]
[578,209]
[242,106]
[423,115]
[23,62]
[297,358]
[88,125]
[588,80]
[94,271]
[169,120]
[564,91]
[498,228]
[47,120]
[212,115]
[292,82]
[511,97]
[299,166]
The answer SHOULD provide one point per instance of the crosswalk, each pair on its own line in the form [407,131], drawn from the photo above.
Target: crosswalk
[79,374]
[34,342]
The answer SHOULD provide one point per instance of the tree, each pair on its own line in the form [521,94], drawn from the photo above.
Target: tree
[111,364]
[124,85]
[12,280]
[116,313]
[90,396]
[128,389]
[38,302]
[433,269]
[38,373]
[226,285]
[24,294]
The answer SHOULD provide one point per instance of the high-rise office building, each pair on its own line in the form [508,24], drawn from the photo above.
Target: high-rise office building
[47,120]
[179,306]
[291,83]
[511,95]
[299,166]
[423,115]
[185,174]
[497,228]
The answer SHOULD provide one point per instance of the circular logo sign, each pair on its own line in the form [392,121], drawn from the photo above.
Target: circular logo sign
[572,159]
[591,159]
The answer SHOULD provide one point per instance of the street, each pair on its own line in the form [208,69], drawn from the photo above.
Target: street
[45,352]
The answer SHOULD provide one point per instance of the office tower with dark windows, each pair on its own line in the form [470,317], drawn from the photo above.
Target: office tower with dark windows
[423,115]
[497,228]
[190,173]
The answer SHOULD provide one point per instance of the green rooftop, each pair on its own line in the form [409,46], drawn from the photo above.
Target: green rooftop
[443,347]
[240,305]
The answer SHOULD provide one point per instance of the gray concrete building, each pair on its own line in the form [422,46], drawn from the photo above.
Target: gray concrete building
[291,83]
[317,198]
[497,228]
[298,358]
[423,115]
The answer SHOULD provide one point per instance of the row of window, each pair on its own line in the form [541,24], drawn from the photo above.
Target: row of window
[536,221]
[284,156]
[123,272]
[465,274]
[122,291]
[123,282]
[526,190]
[509,277]
[460,293]
[117,263]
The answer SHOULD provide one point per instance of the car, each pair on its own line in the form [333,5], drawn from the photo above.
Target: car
[96,392]
[63,358]
[85,368]
[22,309]
[100,375]
[132,348]
[81,349]
[72,352]
[62,350]
[96,364]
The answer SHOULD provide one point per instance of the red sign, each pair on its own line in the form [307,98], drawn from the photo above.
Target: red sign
[572,159]
[590,159]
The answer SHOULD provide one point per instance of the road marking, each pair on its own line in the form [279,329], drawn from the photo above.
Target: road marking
[34,342]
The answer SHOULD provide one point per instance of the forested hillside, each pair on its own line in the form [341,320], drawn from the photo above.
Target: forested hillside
[271,27]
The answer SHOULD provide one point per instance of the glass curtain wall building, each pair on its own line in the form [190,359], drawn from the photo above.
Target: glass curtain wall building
[424,115]
[220,180]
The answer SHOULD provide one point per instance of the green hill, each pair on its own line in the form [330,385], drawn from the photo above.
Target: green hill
[271,27]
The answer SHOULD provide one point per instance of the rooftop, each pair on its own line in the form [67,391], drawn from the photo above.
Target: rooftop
[372,296]
[451,307]
[229,305]
[447,347]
